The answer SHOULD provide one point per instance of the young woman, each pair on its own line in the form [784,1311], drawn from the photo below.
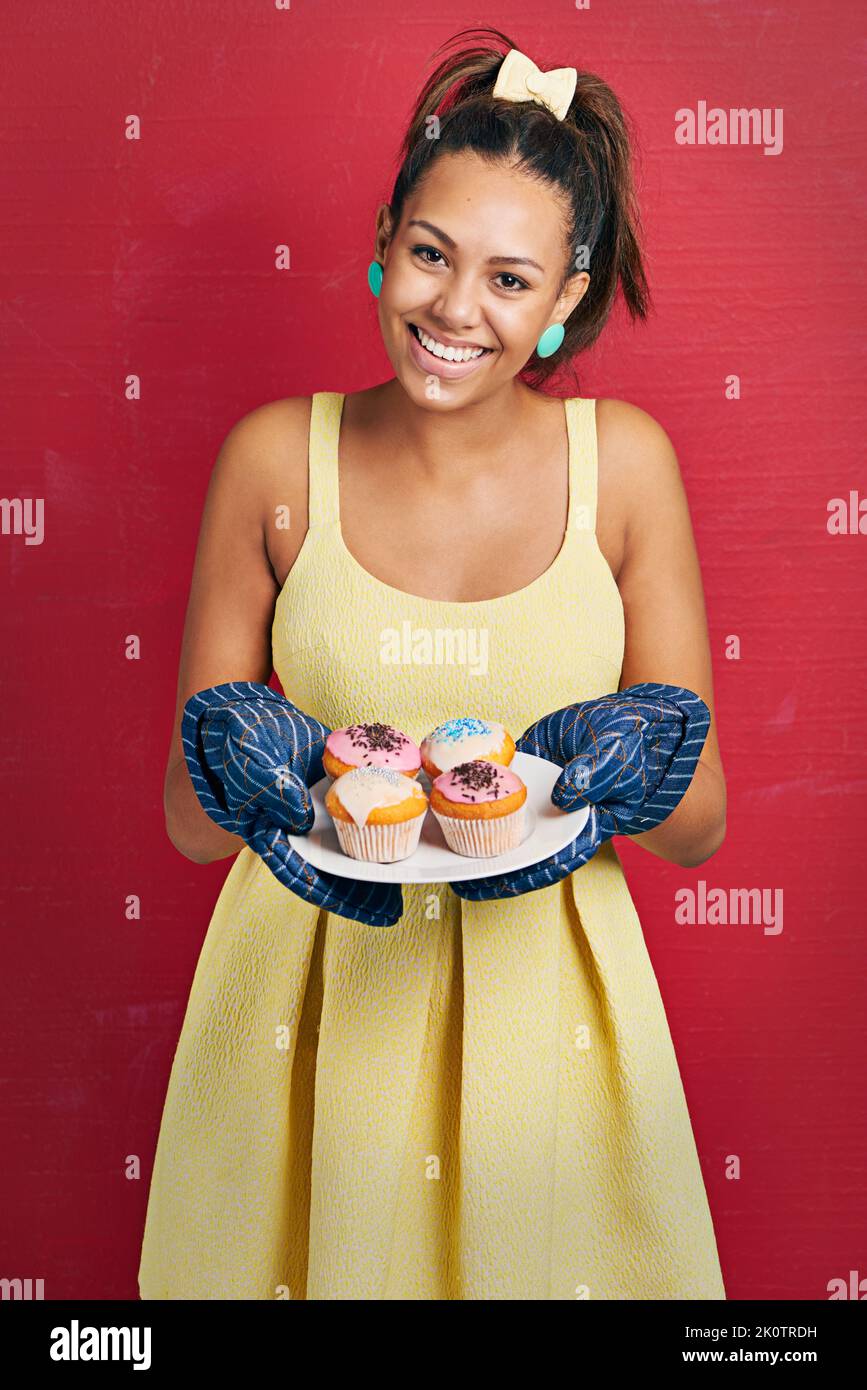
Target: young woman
[463,1091]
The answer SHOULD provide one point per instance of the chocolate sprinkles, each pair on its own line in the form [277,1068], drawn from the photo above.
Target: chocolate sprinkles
[375,737]
[477,775]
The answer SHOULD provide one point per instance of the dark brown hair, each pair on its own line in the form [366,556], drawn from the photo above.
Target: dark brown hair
[587,155]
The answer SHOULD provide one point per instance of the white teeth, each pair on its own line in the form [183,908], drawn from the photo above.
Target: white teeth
[448,354]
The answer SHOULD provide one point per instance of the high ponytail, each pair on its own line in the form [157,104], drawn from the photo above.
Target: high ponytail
[587,155]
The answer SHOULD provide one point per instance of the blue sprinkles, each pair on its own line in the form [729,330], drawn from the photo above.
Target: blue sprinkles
[455,729]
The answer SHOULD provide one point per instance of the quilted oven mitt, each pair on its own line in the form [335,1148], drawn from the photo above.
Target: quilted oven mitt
[631,755]
[252,757]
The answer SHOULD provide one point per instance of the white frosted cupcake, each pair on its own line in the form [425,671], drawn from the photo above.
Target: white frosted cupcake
[464,740]
[377,813]
[480,808]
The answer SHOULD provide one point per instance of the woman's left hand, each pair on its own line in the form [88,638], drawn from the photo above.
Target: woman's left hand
[631,755]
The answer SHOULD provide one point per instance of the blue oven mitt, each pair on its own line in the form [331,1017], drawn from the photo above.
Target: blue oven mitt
[631,755]
[252,757]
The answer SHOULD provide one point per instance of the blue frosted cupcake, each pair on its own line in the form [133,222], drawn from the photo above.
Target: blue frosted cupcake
[464,740]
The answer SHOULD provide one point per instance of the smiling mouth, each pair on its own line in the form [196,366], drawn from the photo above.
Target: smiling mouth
[446,354]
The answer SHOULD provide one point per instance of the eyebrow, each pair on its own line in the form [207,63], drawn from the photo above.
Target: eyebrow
[492,260]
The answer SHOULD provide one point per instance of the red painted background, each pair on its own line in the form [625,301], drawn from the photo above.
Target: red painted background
[262,126]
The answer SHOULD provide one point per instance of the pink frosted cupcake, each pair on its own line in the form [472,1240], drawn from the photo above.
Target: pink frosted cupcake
[370,745]
[480,808]
[377,813]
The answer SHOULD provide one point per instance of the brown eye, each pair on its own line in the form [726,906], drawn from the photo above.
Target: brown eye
[519,284]
[423,251]
[427,250]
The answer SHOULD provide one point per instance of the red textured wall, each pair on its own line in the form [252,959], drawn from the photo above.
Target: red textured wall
[261,126]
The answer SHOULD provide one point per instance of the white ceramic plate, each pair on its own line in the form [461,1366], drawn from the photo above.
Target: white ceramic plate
[547,830]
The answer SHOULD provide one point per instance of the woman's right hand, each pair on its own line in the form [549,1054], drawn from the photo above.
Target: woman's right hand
[252,756]
[250,752]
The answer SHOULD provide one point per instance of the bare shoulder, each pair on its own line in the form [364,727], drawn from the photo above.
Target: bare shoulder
[639,475]
[261,469]
[630,439]
[270,439]
[634,445]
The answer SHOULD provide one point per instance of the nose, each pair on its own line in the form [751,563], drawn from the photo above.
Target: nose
[455,306]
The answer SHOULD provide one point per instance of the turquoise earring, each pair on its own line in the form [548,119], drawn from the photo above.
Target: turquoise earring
[550,340]
[374,277]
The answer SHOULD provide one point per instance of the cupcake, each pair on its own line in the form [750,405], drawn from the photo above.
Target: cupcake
[377,813]
[479,806]
[370,745]
[464,740]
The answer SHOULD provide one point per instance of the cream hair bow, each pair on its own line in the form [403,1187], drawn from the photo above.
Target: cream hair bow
[520,80]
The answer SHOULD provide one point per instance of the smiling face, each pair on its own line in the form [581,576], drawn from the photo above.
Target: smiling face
[472,277]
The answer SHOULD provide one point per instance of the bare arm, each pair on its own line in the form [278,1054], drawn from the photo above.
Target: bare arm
[666,624]
[227,632]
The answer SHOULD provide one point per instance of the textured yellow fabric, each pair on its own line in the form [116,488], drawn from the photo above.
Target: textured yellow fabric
[481,1102]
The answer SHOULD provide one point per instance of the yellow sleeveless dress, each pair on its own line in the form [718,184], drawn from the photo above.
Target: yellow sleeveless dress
[481,1102]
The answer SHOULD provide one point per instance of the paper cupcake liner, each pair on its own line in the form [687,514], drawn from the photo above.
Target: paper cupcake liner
[478,839]
[380,844]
